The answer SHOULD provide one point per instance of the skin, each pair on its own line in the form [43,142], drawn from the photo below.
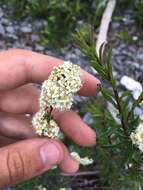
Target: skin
[21,151]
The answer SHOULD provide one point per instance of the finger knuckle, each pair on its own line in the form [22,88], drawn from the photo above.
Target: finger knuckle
[15,166]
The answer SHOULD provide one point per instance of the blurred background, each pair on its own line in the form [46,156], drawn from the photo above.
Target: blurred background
[47,26]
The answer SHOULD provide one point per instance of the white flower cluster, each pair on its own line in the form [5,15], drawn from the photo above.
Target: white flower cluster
[43,127]
[58,91]
[83,161]
[137,137]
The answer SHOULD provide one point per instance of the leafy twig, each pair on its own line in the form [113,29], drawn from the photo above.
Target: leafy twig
[135,104]
[118,100]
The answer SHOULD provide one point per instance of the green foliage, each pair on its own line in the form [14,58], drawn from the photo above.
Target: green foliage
[62,16]
[135,5]
[128,38]
[125,36]
[125,3]
[139,11]
[120,162]
[50,180]
[31,184]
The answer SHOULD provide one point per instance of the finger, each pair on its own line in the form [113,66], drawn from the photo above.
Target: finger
[6,141]
[73,126]
[16,126]
[68,164]
[18,67]
[19,127]
[90,85]
[26,159]
[24,99]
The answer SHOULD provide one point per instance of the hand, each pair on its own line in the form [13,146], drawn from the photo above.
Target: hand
[22,154]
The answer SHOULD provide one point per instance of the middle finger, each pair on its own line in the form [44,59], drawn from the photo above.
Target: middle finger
[25,100]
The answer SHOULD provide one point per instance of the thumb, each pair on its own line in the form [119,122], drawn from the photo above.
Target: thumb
[28,158]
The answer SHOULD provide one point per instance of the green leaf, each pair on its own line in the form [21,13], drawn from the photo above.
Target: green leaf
[109,63]
[135,104]
[108,96]
[101,49]
[112,145]
[126,93]
[125,106]
[99,69]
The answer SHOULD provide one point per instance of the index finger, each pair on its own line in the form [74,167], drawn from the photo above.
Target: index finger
[18,67]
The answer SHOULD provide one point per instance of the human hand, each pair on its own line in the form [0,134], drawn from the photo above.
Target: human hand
[22,154]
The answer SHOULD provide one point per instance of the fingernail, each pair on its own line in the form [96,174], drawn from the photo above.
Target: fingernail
[50,154]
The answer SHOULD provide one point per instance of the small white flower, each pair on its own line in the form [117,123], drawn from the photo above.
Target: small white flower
[58,91]
[83,161]
[137,137]
[43,127]
[86,161]
[135,38]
